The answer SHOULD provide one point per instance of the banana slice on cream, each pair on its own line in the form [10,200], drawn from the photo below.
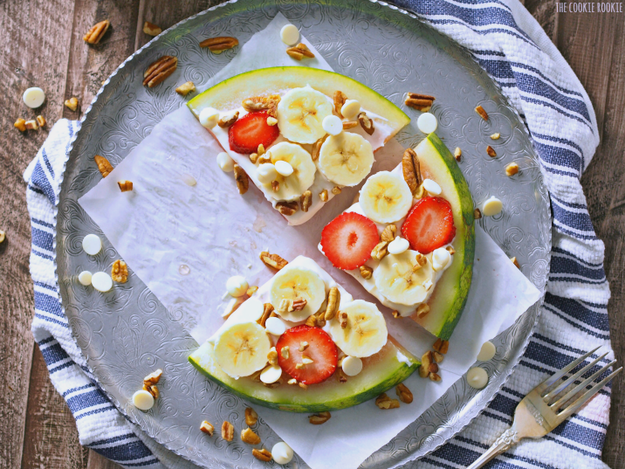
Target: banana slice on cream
[365,332]
[345,159]
[242,349]
[300,115]
[293,283]
[302,176]
[401,279]
[385,197]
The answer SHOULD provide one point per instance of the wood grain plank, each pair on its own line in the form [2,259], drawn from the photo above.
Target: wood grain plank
[52,438]
[594,45]
[30,33]
[96,461]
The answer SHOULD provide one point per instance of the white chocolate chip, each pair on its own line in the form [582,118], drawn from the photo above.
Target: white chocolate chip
[236,286]
[350,109]
[85,277]
[398,245]
[427,123]
[209,117]
[491,206]
[432,187]
[34,97]
[487,352]
[102,281]
[351,365]
[282,453]
[477,377]
[92,244]
[284,168]
[440,259]
[289,34]
[271,374]
[266,173]
[332,124]
[275,326]
[143,400]
[225,162]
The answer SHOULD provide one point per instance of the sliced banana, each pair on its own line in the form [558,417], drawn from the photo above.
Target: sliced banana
[300,114]
[297,282]
[402,280]
[385,197]
[365,333]
[242,349]
[345,159]
[291,187]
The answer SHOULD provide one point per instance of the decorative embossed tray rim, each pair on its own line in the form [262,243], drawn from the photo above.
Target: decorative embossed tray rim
[441,429]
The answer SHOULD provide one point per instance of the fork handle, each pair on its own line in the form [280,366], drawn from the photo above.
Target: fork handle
[507,439]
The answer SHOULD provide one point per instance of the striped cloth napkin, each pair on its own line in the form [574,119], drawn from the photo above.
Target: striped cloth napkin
[510,45]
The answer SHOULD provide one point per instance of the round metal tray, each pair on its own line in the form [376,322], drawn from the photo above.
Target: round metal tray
[127,332]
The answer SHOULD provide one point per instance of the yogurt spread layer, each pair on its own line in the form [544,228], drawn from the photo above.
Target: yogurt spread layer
[329,158]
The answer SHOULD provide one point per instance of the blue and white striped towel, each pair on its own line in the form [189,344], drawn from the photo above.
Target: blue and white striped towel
[514,50]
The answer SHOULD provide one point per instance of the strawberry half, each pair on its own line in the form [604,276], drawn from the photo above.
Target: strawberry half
[251,130]
[348,240]
[429,225]
[320,349]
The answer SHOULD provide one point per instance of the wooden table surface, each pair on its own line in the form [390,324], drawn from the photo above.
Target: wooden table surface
[42,46]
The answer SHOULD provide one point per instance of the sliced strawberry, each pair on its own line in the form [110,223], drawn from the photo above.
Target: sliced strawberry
[250,131]
[349,239]
[320,349]
[429,224]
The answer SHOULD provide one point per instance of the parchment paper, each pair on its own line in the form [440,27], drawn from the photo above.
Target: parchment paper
[165,224]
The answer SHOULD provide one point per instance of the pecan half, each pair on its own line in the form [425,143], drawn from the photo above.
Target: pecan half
[125,186]
[320,418]
[97,32]
[151,29]
[207,427]
[268,309]
[227,431]
[243,181]
[219,44]
[339,99]
[380,250]
[411,169]
[159,70]
[272,260]
[227,121]
[250,437]
[480,110]
[263,454]
[251,417]
[334,299]
[404,394]
[119,271]
[441,346]
[186,88]
[104,165]
[300,51]
[306,201]
[421,102]
[298,304]
[491,151]
[366,123]
[287,208]
[388,233]
[385,402]
[366,272]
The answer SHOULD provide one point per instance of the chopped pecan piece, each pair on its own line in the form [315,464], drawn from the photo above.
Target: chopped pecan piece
[151,29]
[71,103]
[339,100]
[103,165]
[421,102]
[125,186]
[119,271]
[96,33]
[219,44]
[512,169]
[389,232]
[380,250]
[385,402]
[186,88]
[300,51]
[31,124]
[438,357]
[298,304]
[336,190]
[477,214]
[320,418]
[411,169]
[153,390]
[458,153]
[20,124]
[306,201]
[273,260]
[480,110]
[422,310]
[263,454]
[366,123]
[207,427]
[334,299]
[243,181]
[435,377]
[250,437]
[251,417]
[287,208]
[349,125]
[227,431]
[491,151]
[404,394]
[495,136]
[225,122]
[268,309]
[441,346]
[426,361]
[323,195]
[262,103]
[366,272]
[515,262]
[41,121]
[159,70]
[153,378]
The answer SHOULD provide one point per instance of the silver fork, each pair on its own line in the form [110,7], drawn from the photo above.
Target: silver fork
[543,408]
